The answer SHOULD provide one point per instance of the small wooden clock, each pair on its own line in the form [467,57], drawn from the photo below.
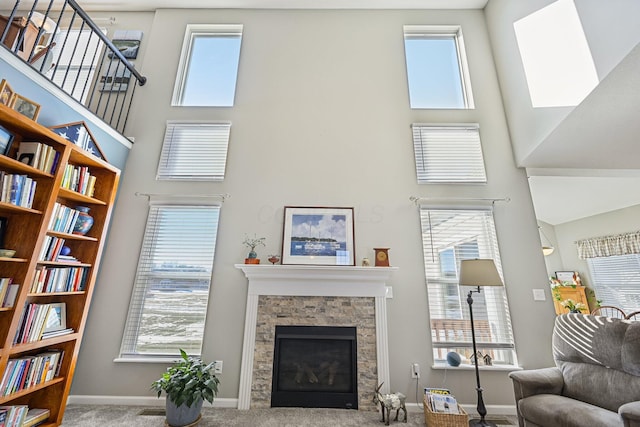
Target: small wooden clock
[382,257]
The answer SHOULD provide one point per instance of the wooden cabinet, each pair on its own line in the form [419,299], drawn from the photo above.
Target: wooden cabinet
[28,230]
[561,293]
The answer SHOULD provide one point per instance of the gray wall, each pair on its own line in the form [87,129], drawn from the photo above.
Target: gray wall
[321,118]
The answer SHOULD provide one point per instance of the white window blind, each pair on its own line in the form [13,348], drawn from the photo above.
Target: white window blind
[448,237]
[437,71]
[171,289]
[616,280]
[194,151]
[448,154]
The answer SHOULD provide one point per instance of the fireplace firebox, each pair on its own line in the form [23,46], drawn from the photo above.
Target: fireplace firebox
[315,367]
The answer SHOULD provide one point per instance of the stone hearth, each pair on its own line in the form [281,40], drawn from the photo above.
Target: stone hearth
[313,295]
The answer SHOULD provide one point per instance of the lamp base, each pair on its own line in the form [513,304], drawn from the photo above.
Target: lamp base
[481,423]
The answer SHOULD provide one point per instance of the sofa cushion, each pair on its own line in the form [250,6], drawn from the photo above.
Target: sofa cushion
[559,411]
[599,358]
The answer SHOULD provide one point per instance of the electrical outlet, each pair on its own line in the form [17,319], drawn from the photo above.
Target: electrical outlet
[415,370]
[217,367]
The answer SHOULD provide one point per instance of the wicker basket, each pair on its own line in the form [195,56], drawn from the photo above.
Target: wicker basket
[438,419]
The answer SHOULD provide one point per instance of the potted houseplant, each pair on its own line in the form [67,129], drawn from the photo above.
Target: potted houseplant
[252,243]
[574,307]
[187,383]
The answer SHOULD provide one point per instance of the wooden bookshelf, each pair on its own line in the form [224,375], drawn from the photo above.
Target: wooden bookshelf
[26,232]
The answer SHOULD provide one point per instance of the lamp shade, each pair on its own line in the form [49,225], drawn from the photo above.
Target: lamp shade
[479,272]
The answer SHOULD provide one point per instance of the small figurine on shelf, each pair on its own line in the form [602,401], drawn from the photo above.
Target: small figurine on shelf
[252,243]
[273,259]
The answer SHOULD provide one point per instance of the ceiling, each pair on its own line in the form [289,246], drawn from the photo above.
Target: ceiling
[566,189]
[147,5]
[590,163]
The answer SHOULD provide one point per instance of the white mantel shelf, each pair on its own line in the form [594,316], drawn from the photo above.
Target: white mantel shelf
[316,280]
[313,280]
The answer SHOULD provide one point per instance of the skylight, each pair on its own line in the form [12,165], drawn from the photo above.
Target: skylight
[555,54]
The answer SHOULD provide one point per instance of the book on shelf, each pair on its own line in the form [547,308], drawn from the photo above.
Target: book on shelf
[29,153]
[11,295]
[4,286]
[36,416]
[14,415]
[24,372]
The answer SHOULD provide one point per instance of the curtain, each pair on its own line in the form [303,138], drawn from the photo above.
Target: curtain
[621,244]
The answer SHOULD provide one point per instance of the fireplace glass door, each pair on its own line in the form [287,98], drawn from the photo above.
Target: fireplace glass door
[315,367]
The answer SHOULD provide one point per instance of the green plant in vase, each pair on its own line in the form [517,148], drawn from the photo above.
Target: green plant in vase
[574,307]
[187,383]
[252,243]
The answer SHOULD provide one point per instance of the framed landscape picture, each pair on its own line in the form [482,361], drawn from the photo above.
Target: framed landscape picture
[318,236]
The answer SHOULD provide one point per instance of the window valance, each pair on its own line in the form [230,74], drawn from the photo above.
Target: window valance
[621,244]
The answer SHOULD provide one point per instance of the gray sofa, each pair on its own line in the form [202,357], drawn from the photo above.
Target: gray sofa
[596,380]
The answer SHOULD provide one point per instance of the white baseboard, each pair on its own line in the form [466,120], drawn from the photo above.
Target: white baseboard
[233,403]
[140,401]
[471,409]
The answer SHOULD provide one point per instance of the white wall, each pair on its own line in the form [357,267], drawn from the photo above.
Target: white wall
[321,118]
[611,30]
[611,223]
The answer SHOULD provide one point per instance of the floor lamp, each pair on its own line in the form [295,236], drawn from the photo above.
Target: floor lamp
[478,272]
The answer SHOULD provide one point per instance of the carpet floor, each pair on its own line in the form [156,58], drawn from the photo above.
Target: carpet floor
[128,416]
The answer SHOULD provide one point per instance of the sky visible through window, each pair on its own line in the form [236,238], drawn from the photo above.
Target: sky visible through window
[212,71]
[433,72]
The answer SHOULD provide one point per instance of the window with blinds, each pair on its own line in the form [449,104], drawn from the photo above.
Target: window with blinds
[449,236]
[171,290]
[208,67]
[437,71]
[616,280]
[448,154]
[194,151]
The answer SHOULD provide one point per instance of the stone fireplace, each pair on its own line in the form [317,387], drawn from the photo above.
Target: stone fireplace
[311,296]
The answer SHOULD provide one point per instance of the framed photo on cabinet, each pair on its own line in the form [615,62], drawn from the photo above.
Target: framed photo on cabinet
[318,236]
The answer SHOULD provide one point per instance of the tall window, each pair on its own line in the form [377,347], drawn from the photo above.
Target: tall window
[171,290]
[437,67]
[208,67]
[450,236]
[448,153]
[194,151]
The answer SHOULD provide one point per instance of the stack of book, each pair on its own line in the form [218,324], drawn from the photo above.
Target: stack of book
[78,178]
[441,400]
[8,292]
[29,371]
[59,279]
[17,189]
[40,156]
[51,248]
[22,416]
[63,218]
[38,319]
